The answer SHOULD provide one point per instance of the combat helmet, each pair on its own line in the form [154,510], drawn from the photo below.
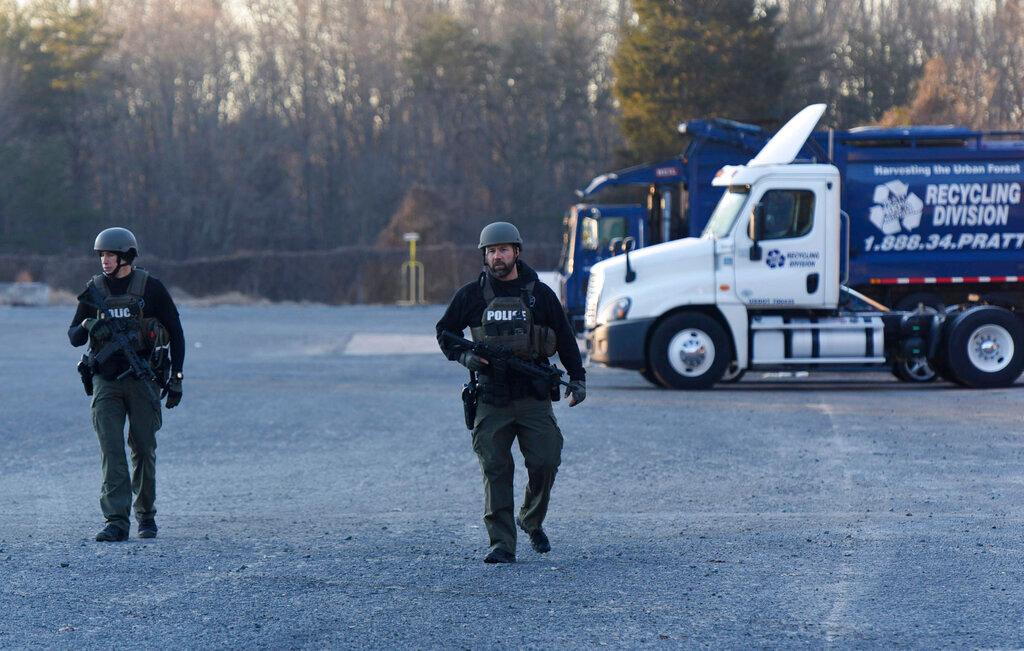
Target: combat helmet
[119,240]
[500,233]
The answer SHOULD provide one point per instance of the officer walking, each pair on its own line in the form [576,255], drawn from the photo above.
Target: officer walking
[507,306]
[139,306]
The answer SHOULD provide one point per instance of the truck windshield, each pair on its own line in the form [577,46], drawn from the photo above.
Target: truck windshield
[597,234]
[729,206]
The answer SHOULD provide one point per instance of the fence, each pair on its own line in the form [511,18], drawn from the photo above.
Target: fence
[344,275]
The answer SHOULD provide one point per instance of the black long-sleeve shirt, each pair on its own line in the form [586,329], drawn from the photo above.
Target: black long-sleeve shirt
[467,307]
[158,304]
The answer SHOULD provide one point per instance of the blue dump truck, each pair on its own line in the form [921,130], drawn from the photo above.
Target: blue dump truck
[899,248]
[935,214]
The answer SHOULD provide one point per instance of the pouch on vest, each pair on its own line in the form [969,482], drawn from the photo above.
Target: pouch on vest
[155,333]
[143,333]
[506,323]
[545,341]
[493,389]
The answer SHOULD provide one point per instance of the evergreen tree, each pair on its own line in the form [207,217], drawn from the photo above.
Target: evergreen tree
[684,59]
[50,53]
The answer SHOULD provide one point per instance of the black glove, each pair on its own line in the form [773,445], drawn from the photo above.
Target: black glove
[472,361]
[578,390]
[98,329]
[172,392]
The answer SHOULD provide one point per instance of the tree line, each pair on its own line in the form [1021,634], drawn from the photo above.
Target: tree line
[216,126]
[885,62]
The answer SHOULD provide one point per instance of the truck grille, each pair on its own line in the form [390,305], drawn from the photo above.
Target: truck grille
[593,297]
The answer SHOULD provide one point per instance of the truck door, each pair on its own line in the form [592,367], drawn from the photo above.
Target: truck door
[597,233]
[789,268]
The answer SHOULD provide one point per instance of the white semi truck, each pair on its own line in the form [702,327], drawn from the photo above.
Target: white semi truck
[763,288]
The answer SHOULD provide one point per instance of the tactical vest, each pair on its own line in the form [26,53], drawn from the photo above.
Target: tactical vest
[507,321]
[145,333]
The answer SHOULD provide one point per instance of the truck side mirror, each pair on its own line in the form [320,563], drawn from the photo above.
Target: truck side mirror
[756,231]
[615,245]
[628,244]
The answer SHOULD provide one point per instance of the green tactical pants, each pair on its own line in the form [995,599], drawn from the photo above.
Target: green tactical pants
[540,441]
[112,402]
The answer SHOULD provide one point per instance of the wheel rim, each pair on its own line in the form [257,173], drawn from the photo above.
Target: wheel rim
[691,352]
[990,348]
[919,369]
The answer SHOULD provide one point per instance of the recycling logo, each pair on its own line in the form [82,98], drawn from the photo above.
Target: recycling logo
[896,209]
[775,259]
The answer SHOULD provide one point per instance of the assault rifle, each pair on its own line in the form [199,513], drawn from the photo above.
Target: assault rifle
[121,342]
[498,357]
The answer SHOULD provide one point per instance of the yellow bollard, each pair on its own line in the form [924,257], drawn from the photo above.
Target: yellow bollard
[413,280]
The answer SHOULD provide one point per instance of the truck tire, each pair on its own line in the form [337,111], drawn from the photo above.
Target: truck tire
[689,351]
[648,375]
[985,347]
[941,362]
[733,373]
[914,370]
[919,369]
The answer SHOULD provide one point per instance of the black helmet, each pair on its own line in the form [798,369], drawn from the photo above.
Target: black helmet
[119,240]
[500,233]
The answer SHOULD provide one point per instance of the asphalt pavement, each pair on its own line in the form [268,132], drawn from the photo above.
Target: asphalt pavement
[316,488]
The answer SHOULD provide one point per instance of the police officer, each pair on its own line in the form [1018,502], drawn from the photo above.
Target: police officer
[142,303]
[508,306]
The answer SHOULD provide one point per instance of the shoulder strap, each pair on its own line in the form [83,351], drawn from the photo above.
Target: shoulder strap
[137,286]
[486,288]
[528,294]
[100,282]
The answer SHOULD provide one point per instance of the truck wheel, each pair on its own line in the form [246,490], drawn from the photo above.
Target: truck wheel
[914,370]
[689,351]
[733,373]
[650,377]
[942,370]
[985,347]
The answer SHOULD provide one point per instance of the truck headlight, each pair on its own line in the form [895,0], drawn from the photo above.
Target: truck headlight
[616,310]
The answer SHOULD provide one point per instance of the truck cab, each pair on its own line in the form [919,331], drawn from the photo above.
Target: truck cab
[668,199]
[591,233]
[763,288]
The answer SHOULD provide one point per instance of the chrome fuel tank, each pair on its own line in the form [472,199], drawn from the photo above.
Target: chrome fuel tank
[823,340]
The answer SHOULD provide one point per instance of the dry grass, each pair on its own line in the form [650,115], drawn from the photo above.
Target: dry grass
[227,298]
[62,297]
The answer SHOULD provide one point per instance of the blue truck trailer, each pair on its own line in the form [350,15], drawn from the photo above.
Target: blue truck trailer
[935,214]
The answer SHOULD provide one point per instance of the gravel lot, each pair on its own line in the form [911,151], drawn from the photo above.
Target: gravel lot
[314,493]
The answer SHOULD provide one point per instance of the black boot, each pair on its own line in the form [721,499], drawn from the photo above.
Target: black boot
[147,528]
[112,533]
[538,539]
[499,555]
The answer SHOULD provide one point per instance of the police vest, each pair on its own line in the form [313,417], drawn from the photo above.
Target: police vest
[507,321]
[144,333]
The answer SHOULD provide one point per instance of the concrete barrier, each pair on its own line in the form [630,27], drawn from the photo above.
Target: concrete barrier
[32,294]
